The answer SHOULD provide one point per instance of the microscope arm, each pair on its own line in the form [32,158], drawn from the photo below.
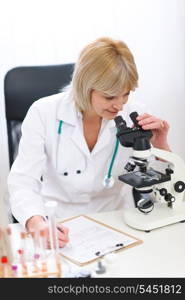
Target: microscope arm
[177,161]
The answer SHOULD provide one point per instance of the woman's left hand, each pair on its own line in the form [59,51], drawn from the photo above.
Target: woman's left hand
[159,130]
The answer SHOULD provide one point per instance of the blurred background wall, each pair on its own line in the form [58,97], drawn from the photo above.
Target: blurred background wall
[41,32]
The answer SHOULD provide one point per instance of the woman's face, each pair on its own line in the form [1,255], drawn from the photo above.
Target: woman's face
[107,107]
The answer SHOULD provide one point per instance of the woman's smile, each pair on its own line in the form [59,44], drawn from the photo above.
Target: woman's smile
[112,112]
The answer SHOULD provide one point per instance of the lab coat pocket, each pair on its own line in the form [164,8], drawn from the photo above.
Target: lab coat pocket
[71,164]
[70,160]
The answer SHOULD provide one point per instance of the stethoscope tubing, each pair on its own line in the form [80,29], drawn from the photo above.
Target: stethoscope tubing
[109,174]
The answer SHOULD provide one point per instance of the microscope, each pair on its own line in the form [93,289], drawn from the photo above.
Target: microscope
[158,195]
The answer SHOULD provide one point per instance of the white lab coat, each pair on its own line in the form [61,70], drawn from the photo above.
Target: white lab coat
[72,175]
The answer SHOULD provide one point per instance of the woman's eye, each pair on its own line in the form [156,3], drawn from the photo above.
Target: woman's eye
[109,98]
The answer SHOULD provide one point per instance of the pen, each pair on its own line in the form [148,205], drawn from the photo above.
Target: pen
[107,250]
[47,217]
[60,229]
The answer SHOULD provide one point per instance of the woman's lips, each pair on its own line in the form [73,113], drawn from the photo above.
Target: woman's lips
[112,112]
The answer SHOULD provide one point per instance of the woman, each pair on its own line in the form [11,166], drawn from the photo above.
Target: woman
[68,140]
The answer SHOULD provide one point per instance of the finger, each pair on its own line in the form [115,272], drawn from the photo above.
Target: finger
[40,227]
[63,228]
[63,238]
[62,244]
[38,234]
[48,244]
[143,116]
[148,120]
[166,125]
[152,126]
[63,232]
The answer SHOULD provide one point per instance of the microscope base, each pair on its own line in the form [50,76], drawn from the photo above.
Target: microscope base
[160,216]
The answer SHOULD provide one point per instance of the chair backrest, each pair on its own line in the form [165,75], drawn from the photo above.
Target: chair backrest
[24,85]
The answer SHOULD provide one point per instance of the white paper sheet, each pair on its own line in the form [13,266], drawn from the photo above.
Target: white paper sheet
[89,239]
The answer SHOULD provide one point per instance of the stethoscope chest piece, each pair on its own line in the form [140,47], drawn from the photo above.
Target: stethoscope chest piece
[108,182]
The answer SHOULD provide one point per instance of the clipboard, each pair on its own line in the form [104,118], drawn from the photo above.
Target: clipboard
[91,239]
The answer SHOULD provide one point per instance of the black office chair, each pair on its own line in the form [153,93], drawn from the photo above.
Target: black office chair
[24,85]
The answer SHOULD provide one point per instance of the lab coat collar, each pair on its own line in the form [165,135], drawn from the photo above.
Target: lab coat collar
[104,139]
[67,111]
[106,136]
[111,124]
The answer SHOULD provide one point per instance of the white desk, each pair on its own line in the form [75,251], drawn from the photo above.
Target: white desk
[162,253]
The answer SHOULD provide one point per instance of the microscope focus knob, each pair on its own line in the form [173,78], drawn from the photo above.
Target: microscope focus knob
[179,186]
[169,197]
[163,192]
[169,171]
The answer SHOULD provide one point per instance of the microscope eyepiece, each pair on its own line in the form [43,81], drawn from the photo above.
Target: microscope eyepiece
[133,117]
[120,123]
[134,137]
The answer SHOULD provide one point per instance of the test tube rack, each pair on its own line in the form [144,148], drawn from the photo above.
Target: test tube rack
[41,265]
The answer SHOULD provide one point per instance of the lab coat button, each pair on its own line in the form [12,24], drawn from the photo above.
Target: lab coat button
[78,171]
[65,173]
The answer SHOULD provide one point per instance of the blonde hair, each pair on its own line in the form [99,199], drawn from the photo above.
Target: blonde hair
[105,65]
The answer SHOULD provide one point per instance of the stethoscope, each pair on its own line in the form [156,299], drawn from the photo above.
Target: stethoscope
[108,180]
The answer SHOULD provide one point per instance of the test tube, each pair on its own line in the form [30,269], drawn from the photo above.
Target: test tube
[36,254]
[22,254]
[43,242]
[9,233]
[2,243]
[1,270]
[14,270]
[51,207]
[5,268]
[6,272]
[1,252]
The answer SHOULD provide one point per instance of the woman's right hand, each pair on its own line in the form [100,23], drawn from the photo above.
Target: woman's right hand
[38,224]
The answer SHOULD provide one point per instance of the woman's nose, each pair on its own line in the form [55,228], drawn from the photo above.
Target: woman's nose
[118,105]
